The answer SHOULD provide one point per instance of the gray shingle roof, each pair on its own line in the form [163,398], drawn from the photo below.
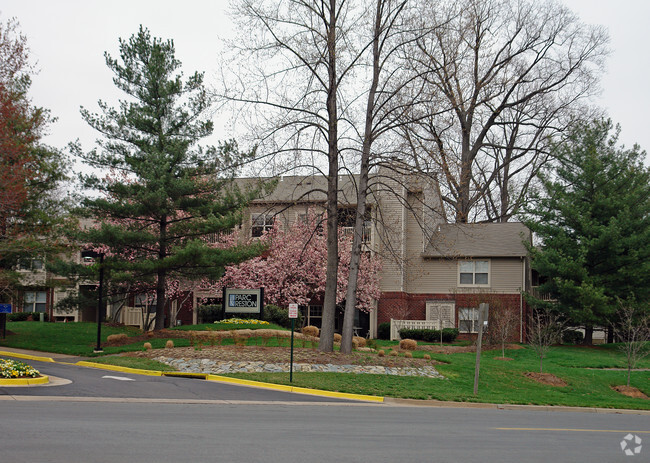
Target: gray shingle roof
[479,240]
[304,189]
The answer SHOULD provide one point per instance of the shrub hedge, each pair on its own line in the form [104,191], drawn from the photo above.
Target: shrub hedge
[448,335]
[23,316]
[572,337]
[209,313]
[280,316]
[383,330]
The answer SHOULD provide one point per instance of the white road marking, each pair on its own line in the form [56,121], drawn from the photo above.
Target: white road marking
[119,378]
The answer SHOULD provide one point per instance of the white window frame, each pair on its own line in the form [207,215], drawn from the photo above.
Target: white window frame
[265,226]
[32,299]
[462,265]
[468,314]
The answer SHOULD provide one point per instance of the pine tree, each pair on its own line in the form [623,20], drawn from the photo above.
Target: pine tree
[164,195]
[593,220]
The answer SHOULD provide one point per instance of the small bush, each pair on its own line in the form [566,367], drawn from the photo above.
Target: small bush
[147,345]
[381,353]
[355,344]
[408,355]
[572,337]
[361,342]
[116,337]
[393,353]
[449,335]
[426,357]
[383,330]
[408,344]
[209,313]
[372,343]
[169,344]
[337,337]
[310,330]
[280,316]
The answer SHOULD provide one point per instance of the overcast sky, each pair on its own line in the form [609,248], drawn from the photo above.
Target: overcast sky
[68,39]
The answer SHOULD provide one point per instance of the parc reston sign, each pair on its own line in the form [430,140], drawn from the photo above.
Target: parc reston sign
[248,301]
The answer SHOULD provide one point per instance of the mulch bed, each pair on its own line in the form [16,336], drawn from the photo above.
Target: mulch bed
[546,378]
[630,391]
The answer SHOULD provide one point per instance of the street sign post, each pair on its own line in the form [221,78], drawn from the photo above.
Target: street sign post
[293,314]
[483,310]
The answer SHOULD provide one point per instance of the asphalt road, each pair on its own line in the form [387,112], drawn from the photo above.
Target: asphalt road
[98,432]
[95,383]
[105,416]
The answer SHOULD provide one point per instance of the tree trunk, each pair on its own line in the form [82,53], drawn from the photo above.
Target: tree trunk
[362,193]
[589,336]
[326,343]
[162,274]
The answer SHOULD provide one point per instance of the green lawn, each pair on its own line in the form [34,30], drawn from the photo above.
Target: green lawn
[584,369]
[500,381]
[81,338]
[62,338]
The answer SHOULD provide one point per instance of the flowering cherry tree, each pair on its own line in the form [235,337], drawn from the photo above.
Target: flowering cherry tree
[294,266]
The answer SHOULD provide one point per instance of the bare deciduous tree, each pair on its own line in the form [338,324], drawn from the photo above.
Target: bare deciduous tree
[544,330]
[504,77]
[633,332]
[503,322]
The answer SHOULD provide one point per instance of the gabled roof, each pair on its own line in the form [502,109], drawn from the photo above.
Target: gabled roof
[479,240]
[304,189]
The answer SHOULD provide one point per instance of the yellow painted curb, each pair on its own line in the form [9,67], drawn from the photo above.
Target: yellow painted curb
[26,357]
[246,382]
[340,395]
[104,366]
[297,390]
[24,381]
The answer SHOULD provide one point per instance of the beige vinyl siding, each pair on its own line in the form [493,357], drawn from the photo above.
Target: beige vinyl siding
[506,275]
[390,244]
[440,276]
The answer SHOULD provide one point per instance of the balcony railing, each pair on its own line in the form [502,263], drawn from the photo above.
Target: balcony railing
[366,233]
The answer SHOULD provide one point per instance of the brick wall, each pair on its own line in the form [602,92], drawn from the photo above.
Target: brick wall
[404,306]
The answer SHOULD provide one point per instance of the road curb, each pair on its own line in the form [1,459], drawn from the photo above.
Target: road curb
[104,366]
[26,356]
[296,390]
[490,406]
[24,381]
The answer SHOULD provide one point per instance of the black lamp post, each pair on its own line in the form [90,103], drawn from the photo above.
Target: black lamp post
[100,306]
[99,255]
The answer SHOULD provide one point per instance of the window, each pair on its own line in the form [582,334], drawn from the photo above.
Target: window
[474,273]
[30,264]
[35,301]
[468,320]
[315,315]
[261,223]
